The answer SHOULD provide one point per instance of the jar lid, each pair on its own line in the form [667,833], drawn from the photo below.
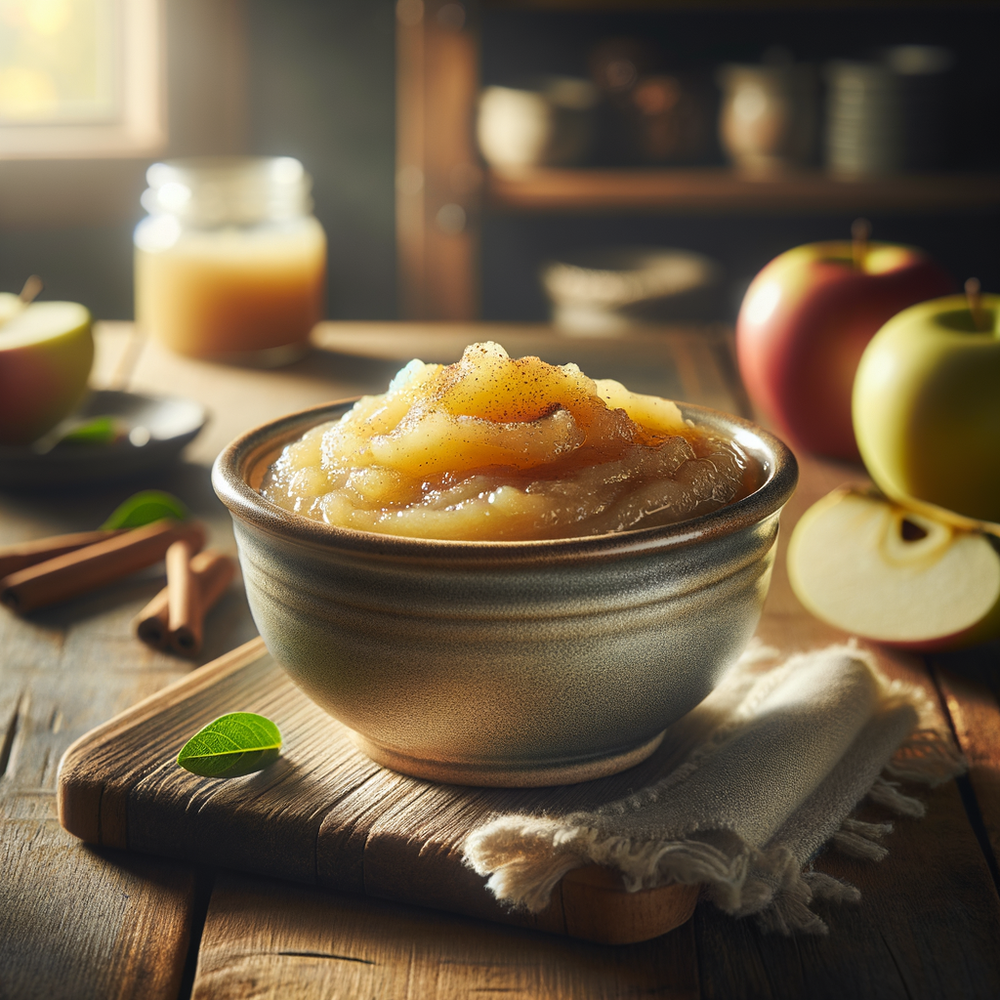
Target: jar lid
[236,190]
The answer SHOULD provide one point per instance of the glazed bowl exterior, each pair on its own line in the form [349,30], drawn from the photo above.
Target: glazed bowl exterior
[505,663]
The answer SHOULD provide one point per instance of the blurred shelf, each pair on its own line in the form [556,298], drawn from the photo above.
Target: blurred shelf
[719,190]
[441,203]
[646,6]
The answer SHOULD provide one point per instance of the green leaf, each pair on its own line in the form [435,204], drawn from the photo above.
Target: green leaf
[145,508]
[99,430]
[234,744]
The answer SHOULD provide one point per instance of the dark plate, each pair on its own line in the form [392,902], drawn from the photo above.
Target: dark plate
[169,421]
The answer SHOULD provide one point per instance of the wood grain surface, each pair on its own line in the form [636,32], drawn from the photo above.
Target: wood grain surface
[74,921]
[263,938]
[82,922]
[324,813]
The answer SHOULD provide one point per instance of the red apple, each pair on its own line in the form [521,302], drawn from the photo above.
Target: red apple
[804,323]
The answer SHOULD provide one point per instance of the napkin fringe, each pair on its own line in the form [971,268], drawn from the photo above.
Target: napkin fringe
[862,840]
[887,793]
[790,911]
[856,845]
[928,756]
[525,857]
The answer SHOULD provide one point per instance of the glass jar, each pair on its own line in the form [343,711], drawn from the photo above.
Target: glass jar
[230,263]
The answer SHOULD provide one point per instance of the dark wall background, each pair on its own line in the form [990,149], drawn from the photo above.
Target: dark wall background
[91,264]
[321,88]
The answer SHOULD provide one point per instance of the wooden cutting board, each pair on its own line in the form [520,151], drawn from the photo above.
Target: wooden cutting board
[325,814]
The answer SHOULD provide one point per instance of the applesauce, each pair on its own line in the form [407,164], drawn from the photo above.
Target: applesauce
[503,449]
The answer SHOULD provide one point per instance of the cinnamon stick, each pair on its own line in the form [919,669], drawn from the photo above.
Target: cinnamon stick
[93,566]
[213,574]
[213,571]
[23,554]
[151,623]
[184,613]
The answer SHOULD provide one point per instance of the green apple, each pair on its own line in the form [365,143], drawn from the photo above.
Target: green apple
[46,350]
[884,572]
[926,407]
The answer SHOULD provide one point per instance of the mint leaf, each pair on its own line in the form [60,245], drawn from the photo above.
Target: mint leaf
[145,508]
[234,744]
[99,430]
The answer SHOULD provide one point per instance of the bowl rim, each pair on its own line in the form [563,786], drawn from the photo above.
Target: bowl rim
[248,453]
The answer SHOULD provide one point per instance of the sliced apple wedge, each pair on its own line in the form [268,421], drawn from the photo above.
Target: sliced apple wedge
[10,306]
[46,350]
[884,572]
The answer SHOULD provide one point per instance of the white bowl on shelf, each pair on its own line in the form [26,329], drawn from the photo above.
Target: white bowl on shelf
[607,291]
[548,122]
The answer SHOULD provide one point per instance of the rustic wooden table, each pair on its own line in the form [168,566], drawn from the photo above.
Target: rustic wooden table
[80,922]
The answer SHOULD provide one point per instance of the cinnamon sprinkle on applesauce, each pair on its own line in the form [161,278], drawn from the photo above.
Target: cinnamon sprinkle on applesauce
[496,448]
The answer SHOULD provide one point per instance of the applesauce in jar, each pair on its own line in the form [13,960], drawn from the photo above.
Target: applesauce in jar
[493,448]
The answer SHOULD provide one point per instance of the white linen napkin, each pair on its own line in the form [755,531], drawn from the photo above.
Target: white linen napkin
[775,763]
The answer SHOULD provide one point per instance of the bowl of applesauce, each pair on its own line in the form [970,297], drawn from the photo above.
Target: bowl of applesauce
[502,572]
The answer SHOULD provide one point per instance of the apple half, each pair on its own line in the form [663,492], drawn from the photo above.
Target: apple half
[46,350]
[884,572]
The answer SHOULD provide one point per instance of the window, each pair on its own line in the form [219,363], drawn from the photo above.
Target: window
[72,157]
[81,78]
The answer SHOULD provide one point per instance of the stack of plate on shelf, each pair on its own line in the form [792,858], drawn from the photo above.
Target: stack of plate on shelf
[863,133]
[886,116]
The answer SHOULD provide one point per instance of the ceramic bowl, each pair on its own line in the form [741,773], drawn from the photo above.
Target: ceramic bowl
[506,663]
[545,122]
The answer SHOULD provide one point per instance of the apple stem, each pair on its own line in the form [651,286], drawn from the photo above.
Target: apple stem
[31,289]
[973,293]
[861,231]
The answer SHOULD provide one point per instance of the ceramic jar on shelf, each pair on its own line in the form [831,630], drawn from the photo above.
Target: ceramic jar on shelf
[767,122]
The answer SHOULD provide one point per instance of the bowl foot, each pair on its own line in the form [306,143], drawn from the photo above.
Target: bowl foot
[499,775]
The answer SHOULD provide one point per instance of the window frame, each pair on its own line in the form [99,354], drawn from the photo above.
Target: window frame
[141,128]
[200,66]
